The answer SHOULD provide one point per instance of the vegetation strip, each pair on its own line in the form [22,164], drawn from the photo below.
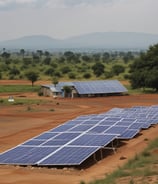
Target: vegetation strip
[141,166]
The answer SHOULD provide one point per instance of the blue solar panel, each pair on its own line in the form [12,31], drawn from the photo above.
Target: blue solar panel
[34,142]
[136,126]
[99,87]
[67,136]
[93,140]
[90,122]
[97,118]
[55,142]
[74,122]
[26,155]
[145,125]
[82,118]
[80,128]
[61,139]
[128,134]
[115,119]
[123,123]
[107,122]
[62,128]
[46,135]
[154,121]
[99,129]
[118,130]
[128,119]
[12,155]
[69,156]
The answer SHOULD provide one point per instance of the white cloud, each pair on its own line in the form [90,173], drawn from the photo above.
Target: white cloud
[14,4]
[65,18]
[77,3]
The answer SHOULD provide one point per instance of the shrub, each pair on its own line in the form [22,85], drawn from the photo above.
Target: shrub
[87,75]
[1,101]
[72,75]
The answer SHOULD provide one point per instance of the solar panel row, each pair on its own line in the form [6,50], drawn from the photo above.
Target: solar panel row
[76,140]
[99,87]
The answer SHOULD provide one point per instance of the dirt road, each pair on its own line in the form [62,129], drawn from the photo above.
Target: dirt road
[17,125]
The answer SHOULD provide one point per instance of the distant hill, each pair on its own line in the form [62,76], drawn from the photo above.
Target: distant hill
[30,42]
[105,40]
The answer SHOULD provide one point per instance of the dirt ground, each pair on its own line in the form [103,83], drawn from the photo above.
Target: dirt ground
[17,125]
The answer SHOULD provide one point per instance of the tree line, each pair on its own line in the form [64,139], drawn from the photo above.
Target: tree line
[66,65]
[141,68]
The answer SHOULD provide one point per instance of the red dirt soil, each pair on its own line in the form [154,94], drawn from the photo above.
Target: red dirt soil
[17,124]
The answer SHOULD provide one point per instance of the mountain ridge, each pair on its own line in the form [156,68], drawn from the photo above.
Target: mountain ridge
[107,40]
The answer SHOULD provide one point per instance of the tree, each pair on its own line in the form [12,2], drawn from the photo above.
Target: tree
[22,53]
[67,90]
[65,69]
[87,75]
[152,79]
[69,55]
[47,54]
[5,55]
[55,81]
[117,69]
[47,60]
[144,70]
[49,71]
[72,75]
[96,57]
[39,53]
[86,58]
[98,69]
[14,71]
[106,57]
[32,76]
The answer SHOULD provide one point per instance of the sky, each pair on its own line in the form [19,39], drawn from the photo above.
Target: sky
[67,18]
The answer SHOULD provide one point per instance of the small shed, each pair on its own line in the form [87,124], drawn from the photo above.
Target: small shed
[51,90]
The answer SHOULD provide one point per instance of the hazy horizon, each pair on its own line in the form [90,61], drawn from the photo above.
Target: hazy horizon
[106,40]
[62,19]
[73,36]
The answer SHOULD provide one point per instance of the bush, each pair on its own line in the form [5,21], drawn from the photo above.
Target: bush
[65,69]
[57,74]
[87,75]
[126,76]
[49,71]
[72,75]
[108,75]
[117,69]
[1,101]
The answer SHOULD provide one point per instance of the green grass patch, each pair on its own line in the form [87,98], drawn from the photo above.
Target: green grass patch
[18,88]
[139,90]
[142,165]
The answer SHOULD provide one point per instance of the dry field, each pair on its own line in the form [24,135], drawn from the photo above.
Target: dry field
[17,125]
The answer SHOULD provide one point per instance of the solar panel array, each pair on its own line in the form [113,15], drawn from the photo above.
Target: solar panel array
[76,140]
[99,87]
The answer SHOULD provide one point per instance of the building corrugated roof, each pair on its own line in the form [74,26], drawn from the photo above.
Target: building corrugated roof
[91,87]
